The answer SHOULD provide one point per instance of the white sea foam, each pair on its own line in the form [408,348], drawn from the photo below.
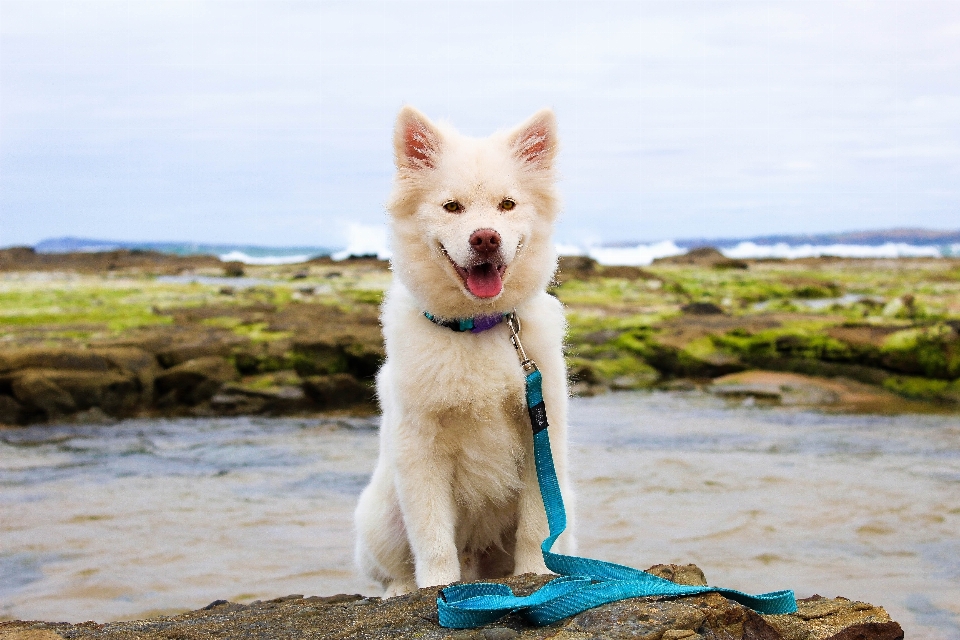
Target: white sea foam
[640,255]
[373,240]
[570,249]
[365,240]
[784,250]
[240,256]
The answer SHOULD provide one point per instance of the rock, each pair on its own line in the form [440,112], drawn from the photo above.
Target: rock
[233,269]
[11,411]
[115,392]
[819,618]
[337,390]
[98,262]
[414,615]
[193,381]
[576,268]
[41,396]
[802,390]
[64,359]
[93,415]
[702,309]
[138,362]
[201,346]
[698,256]
[627,273]
[51,383]
[236,399]
[689,574]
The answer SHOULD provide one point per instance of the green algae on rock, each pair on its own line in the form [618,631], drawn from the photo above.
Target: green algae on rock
[291,332]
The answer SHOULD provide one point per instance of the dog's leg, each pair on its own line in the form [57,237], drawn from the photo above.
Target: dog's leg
[424,481]
[382,551]
[531,522]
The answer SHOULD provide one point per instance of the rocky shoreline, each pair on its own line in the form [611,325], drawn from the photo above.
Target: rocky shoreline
[708,616]
[100,337]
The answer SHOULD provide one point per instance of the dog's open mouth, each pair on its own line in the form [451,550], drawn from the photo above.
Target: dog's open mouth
[484,279]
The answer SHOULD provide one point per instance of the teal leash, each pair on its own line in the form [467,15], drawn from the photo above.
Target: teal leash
[583,583]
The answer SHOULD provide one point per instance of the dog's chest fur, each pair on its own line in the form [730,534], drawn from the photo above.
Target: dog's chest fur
[473,386]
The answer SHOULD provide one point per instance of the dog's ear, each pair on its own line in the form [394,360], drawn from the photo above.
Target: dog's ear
[535,141]
[416,142]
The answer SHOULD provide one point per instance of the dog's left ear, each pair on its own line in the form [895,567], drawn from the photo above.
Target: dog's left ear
[535,141]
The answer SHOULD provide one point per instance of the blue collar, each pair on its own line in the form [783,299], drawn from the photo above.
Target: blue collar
[476,324]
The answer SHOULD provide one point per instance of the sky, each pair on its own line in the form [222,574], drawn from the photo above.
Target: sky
[270,122]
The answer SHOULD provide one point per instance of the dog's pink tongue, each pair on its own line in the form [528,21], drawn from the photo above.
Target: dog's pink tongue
[484,280]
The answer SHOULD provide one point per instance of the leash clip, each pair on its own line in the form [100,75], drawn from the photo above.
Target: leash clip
[529,366]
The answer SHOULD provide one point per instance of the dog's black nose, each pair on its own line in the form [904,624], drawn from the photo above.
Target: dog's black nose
[485,241]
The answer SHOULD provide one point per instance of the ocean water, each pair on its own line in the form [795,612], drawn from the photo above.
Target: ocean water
[150,517]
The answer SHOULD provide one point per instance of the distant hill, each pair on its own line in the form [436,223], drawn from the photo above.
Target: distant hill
[70,244]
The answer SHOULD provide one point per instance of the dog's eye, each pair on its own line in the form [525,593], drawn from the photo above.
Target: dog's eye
[507,204]
[453,206]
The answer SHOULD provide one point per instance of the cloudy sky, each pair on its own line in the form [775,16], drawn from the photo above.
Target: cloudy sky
[269,122]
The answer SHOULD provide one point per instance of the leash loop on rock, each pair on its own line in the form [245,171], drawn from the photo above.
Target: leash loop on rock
[583,583]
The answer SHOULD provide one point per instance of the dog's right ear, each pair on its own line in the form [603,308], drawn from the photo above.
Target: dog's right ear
[416,142]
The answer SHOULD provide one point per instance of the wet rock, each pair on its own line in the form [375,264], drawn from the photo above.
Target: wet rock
[819,618]
[802,390]
[41,396]
[236,399]
[688,574]
[65,359]
[193,381]
[52,383]
[236,404]
[202,346]
[11,411]
[93,415]
[414,615]
[139,363]
[318,357]
[337,390]
[699,256]
[702,309]
[115,392]
[358,352]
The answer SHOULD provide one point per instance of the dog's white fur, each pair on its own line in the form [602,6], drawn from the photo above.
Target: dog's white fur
[454,495]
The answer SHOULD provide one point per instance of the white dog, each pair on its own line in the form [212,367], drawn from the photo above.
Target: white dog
[454,495]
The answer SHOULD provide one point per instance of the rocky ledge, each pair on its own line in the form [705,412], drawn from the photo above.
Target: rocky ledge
[415,616]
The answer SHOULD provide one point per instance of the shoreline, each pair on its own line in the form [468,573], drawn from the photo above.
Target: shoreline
[101,337]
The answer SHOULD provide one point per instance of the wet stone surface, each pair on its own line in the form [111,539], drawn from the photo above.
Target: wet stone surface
[708,616]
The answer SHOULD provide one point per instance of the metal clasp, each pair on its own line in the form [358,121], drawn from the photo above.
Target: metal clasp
[529,366]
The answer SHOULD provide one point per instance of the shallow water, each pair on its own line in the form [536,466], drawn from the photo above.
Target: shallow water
[160,516]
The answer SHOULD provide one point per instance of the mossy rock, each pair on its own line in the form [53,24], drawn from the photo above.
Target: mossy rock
[622,373]
[916,388]
[932,352]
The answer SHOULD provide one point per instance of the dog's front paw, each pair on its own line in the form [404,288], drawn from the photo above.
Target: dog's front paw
[532,564]
[437,573]
[399,588]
